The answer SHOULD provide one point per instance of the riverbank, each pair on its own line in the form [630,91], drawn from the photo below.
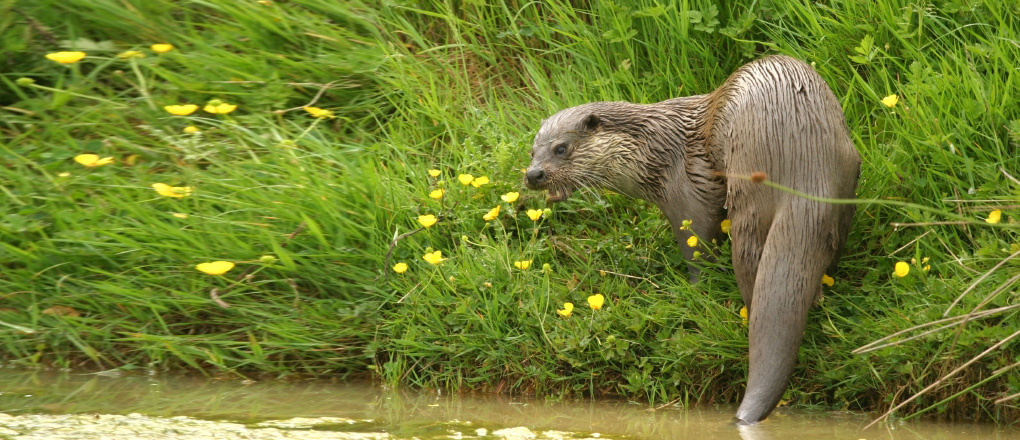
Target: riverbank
[260,189]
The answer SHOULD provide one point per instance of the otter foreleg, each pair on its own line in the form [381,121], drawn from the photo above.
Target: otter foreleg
[787,281]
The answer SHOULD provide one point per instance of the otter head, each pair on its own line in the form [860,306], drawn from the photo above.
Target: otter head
[579,148]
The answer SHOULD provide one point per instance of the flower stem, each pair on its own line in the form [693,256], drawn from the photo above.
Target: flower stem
[51,89]
[143,88]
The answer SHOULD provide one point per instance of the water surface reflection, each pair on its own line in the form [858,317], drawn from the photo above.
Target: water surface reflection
[406,414]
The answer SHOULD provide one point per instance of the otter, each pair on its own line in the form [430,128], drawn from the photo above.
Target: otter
[691,157]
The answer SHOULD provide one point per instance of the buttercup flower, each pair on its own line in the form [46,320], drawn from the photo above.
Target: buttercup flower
[743,314]
[218,107]
[92,160]
[902,269]
[595,301]
[465,179]
[435,173]
[180,110]
[161,48]
[427,220]
[492,214]
[130,54]
[686,224]
[479,181]
[547,268]
[66,57]
[523,265]
[215,268]
[534,214]
[172,191]
[566,310]
[994,216]
[400,267]
[320,113]
[437,193]
[191,129]
[725,226]
[827,280]
[433,257]
[891,100]
[692,241]
[510,197]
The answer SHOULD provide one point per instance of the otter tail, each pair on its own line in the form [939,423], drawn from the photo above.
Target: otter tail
[786,285]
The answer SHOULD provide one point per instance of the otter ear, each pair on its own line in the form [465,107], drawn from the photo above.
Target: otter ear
[591,122]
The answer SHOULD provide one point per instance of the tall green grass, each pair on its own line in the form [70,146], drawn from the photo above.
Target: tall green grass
[99,273]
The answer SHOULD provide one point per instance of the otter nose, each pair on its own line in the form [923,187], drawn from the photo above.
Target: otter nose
[535,177]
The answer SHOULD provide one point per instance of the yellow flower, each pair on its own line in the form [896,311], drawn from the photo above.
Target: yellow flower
[725,226]
[172,191]
[827,280]
[435,172]
[492,214]
[161,48]
[427,220]
[692,241]
[437,193]
[130,54]
[215,268]
[433,257]
[523,265]
[191,129]
[534,214]
[743,314]
[180,110]
[219,109]
[595,301]
[891,100]
[686,224]
[465,179]
[994,216]
[696,255]
[510,197]
[902,269]
[400,267]
[66,57]
[320,113]
[92,160]
[479,181]
[566,310]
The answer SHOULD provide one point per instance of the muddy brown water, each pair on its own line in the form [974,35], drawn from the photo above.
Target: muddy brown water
[373,411]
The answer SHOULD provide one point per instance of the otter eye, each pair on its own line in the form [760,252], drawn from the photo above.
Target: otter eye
[560,150]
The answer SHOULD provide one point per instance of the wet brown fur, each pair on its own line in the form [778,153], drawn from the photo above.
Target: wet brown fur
[775,116]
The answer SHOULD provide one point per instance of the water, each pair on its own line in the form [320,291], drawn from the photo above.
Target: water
[371,411]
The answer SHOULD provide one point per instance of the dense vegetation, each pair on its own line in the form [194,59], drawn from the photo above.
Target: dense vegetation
[314,207]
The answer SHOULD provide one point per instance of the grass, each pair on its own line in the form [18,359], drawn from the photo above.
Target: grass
[98,272]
